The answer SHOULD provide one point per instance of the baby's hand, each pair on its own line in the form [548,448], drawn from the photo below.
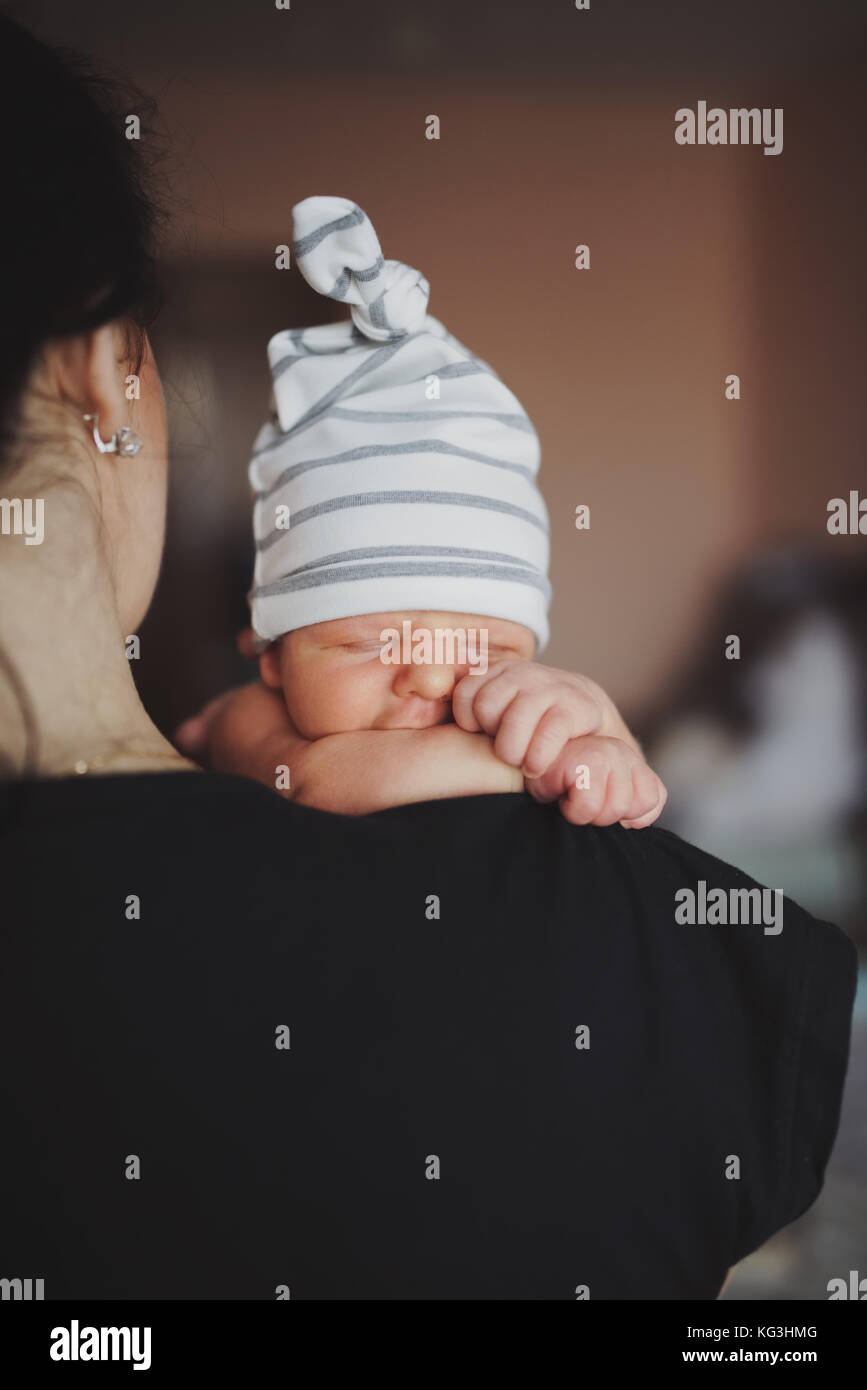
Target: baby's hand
[535,715]
[246,731]
[600,780]
[532,712]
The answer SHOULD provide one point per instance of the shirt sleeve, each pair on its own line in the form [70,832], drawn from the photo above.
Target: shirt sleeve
[821,1058]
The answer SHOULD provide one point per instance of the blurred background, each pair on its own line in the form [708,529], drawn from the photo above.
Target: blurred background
[708,516]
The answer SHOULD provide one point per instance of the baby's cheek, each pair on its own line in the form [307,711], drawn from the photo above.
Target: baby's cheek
[340,700]
[362,694]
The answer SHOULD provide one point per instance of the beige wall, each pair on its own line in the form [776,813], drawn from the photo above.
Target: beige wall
[704,262]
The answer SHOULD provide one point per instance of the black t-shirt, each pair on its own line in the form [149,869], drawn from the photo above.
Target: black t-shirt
[458,1049]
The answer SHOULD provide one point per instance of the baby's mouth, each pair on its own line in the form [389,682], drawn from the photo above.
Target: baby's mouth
[422,714]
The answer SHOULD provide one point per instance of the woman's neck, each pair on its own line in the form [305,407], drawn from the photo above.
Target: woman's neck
[66,692]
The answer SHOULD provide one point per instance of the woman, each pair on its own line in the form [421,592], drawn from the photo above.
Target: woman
[256,1050]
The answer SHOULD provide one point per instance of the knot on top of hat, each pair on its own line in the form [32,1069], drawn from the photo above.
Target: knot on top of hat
[338,253]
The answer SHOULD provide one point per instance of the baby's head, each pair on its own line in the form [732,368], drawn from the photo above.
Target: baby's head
[385,670]
[395,485]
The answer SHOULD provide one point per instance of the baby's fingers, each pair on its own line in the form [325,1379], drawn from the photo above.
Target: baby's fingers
[651,796]
[602,792]
[478,701]
[601,780]
[547,741]
[193,734]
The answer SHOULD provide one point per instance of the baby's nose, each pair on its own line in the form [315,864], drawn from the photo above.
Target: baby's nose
[429,681]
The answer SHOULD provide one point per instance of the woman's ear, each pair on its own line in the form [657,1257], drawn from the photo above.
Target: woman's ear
[269,667]
[88,371]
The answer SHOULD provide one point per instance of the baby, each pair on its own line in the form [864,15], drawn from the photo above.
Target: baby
[400,592]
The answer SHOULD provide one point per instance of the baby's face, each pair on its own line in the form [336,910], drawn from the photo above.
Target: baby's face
[335,680]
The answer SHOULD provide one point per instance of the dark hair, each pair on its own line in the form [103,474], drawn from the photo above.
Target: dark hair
[81,217]
[78,233]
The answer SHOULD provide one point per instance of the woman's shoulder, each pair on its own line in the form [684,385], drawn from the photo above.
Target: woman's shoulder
[63,816]
[96,795]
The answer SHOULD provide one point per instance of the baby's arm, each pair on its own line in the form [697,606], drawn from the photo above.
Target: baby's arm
[367,771]
[248,731]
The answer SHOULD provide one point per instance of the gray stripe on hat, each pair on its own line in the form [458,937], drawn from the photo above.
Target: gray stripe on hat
[518,422]
[341,285]
[376,313]
[469,368]
[299,337]
[371,272]
[343,574]
[284,363]
[454,369]
[305,350]
[376,359]
[371,552]
[346,276]
[367,451]
[305,244]
[375,499]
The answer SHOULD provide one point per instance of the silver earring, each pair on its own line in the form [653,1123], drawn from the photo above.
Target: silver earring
[125,441]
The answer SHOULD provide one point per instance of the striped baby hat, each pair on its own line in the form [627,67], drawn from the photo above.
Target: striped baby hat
[397,471]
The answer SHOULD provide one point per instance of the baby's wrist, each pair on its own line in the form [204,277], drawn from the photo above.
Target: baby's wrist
[370,770]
